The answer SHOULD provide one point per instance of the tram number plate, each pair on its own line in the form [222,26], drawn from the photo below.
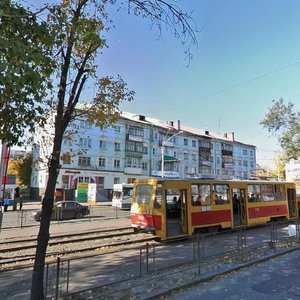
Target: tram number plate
[206,208]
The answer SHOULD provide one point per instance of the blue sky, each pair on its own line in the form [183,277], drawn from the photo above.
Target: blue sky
[248,54]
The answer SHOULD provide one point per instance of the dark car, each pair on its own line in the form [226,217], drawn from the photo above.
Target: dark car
[65,210]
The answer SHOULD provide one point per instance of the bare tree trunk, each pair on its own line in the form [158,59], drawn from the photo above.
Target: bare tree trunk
[37,287]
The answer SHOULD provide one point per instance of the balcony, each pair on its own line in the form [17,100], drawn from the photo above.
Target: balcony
[133,154]
[227,152]
[206,163]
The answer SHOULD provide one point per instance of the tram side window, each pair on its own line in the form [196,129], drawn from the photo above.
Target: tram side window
[143,194]
[221,194]
[201,194]
[158,197]
[253,192]
[279,192]
[267,192]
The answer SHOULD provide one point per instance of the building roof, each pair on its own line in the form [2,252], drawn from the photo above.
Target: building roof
[176,125]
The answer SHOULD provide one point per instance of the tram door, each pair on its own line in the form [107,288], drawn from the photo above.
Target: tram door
[176,212]
[239,207]
[291,193]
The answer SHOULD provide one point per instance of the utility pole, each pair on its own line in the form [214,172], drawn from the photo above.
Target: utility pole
[1,168]
[2,145]
[163,152]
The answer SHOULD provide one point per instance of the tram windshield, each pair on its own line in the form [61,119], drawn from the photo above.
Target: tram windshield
[143,193]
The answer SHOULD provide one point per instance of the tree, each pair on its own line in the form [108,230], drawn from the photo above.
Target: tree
[13,168]
[279,170]
[25,68]
[76,30]
[282,121]
[25,170]
[21,167]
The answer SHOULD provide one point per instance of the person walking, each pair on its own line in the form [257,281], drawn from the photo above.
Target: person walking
[6,203]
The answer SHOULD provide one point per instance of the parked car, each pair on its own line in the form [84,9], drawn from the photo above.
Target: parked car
[64,210]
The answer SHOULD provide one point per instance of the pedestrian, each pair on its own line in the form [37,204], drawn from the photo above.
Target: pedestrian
[5,202]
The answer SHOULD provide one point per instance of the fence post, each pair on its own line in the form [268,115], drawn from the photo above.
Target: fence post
[141,260]
[153,258]
[147,257]
[91,209]
[273,234]
[199,254]
[298,228]
[22,218]
[68,277]
[57,278]
[1,217]
[46,283]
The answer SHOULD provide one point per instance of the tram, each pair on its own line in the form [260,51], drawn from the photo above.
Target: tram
[177,208]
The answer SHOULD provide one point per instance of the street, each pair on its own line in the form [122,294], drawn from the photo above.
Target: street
[15,220]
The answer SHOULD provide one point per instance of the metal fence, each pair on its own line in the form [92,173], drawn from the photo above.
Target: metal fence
[204,252]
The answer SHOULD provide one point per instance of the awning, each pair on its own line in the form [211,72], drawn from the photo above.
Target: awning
[168,158]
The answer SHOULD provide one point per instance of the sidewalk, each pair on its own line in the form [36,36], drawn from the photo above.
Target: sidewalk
[275,276]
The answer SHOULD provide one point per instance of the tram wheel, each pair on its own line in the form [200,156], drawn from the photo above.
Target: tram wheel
[213,229]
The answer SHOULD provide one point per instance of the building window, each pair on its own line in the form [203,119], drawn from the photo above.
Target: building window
[245,152]
[245,163]
[194,156]
[132,162]
[154,151]
[102,144]
[85,124]
[144,166]
[194,143]
[84,161]
[117,180]
[136,131]
[185,142]
[85,143]
[117,146]
[251,152]
[102,162]
[117,163]
[117,128]
[65,181]
[185,155]
[134,147]
[83,179]
[145,150]
[66,158]
[130,180]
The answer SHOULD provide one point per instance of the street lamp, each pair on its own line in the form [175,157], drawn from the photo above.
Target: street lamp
[163,152]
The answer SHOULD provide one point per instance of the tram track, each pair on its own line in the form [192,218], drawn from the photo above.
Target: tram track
[69,246]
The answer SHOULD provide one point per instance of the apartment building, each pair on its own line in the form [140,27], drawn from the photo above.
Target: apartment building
[137,146]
